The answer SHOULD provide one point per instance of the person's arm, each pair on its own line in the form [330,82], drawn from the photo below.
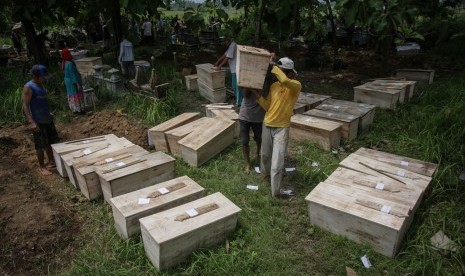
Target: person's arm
[262,101]
[220,62]
[294,85]
[120,52]
[26,97]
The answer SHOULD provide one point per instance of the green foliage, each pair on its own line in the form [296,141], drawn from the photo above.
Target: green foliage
[194,18]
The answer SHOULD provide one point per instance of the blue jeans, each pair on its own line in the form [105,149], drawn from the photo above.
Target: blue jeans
[237,90]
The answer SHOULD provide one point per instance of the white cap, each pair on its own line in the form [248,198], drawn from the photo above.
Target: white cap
[286,63]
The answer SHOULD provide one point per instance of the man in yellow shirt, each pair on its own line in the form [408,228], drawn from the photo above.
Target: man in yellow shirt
[279,107]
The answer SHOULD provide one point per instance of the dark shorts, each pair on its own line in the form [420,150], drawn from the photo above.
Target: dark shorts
[46,136]
[245,132]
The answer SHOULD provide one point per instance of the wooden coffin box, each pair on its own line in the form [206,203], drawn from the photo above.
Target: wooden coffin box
[300,108]
[157,134]
[365,112]
[191,83]
[424,76]
[409,87]
[228,114]
[130,207]
[217,95]
[86,175]
[382,97]
[170,236]
[311,100]
[84,154]
[215,106]
[323,132]
[173,136]
[135,173]
[85,66]
[349,122]
[203,144]
[63,148]
[211,78]
[251,66]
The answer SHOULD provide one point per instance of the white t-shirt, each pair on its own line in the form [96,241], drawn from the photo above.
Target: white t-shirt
[147,27]
[231,54]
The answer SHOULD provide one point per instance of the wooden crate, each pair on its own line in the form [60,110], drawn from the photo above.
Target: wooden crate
[157,135]
[323,132]
[349,122]
[217,95]
[386,78]
[311,100]
[86,175]
[191,83]
[251,66]
[365,112]
[203,144]
[127,210]
[174,135]
[424,76]
[215,106]
[169,241]
[382,97]
[300,108]
[135,173]
[408,85]
[228,114]
[85,66]
[60,149]
[211,78]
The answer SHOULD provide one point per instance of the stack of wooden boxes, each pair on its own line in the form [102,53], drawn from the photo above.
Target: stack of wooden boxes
[211,83]
[384,93]
[371,198]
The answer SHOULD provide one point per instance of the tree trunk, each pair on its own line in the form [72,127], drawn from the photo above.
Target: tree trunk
[116,21]
[35,45]
[333,27]
[258,21]
[296,14]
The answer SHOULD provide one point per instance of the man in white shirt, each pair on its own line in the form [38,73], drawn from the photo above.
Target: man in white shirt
[147,29]
[126,57]
[231,57]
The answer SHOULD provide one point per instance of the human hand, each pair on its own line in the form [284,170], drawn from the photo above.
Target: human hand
[33,126]
[216,68]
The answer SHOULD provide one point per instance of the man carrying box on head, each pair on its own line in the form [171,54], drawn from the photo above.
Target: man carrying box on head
[279,107]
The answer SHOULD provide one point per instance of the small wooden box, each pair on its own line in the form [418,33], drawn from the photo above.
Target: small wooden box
[127,210]
[365,112]
[169,241]
[210,107]
[191,83]
[157,134]
[349,122]
[311,100]
[86,175]
[382,97]
[228,114]
[217,95]
[63,148]
[136,173]
[409,86]
[174,135]
[85,66]
[203,144]
[251,66]
[424,76]
[211,78]
[323,132]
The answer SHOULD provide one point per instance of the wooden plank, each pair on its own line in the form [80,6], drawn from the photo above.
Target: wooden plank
[382,97]
[409,86]
[323,132]
[191,82]
[312,100]
[251,66]
[217,95]
[228,114]
[137,173]
[127,211]
[174,135]
[168,241]
[424,76]
[203,144]
[157,135]
[211,78]
[349,122]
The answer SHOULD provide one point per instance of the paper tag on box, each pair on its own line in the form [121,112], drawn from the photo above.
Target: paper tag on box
[379,186]
[386,209]
[252,187]
[404,163]
[86,142]
[143,201]
[350,117]
[120,164]
[290,169]
[257,169]
[108,160]
[330,114]
[337,107]
[366,262]
[192,213]
[163,191]
[87,151]
[401,173]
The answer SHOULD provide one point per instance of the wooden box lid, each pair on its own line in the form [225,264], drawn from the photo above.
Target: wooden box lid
[309,98]
[225,113]
[207,67]
[189,127]
[83,143]
[176,121]
[369,87]
[310,122]
[253,50]
[332,115]
[199,137]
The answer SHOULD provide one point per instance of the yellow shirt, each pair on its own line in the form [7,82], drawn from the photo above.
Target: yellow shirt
[279,105]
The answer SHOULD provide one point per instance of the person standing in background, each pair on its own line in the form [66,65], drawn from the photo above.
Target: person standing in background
[147,31]
[126,57]
[73,83]
[16,38]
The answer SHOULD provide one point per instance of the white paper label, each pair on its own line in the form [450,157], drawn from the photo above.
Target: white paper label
[252,187]
[86,141]
[87,151]
[350,117]
[108,160]
[401,173]
[120,164]
[192,213]
[143,201]
[290,169]
[366,262]
[386,209]
[404,163]
[380,186]
[337,107]
[163,191]
[314,164]
[257,169]
[330,114]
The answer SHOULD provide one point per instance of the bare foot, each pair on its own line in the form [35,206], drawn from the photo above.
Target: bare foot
[44,171]
[247,169]
[51,166]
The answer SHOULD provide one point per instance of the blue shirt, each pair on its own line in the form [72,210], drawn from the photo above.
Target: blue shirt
[39,106]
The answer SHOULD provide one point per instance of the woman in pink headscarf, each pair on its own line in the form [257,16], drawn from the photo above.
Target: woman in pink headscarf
[73,83]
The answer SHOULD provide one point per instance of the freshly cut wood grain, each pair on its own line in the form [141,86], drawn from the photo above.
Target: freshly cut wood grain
[85,172]
[216,95]
[168,241]
[382,97]
[127,211]
[174,135]
[365,112]
[323,132]
[191,82]
[424,76]
[85,66]
[203,144]
[251,66]
[228,114]
[135,173]
[157,134]
[312,100]
[349,122]
[60,149]
[210,78]
[409,86]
